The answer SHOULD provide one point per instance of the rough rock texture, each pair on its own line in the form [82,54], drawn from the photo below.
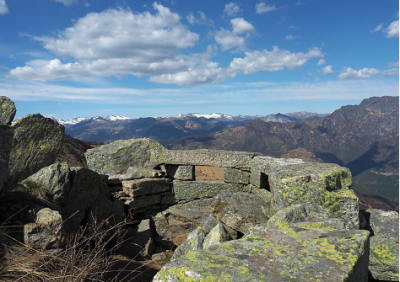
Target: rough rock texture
[295,183]
[145,186]
[118,156]
[384,250]
[46,230]
[7,111]
[265,254]
[308,216]
[240,211]
[191,190]
[175,223]
[232,175]
[76,193]
[204,157]
[6,139]
[36,143]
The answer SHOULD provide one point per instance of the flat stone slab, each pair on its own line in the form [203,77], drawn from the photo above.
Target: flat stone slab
[204,157]
[145,186]
[291,254]
[191,190]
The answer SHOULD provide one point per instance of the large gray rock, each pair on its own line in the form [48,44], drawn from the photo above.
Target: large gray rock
[240,211]
[308,215]
[175,223]
[77,193]
[292,254]
[293,181]
[384,250]
[7,111]
[204,157]
[118,156]
[36,143]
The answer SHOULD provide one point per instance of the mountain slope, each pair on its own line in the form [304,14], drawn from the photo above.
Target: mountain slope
[362,137]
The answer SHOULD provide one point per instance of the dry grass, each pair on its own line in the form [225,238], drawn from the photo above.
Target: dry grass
[87,256]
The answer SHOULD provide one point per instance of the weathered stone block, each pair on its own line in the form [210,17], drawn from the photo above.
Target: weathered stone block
[118,156]
[146,186]
[7,111]
[268,254]
[232,175]
[240,210]
[168,200]
[216,236]
[184,172]
[143,202]
[190,190]
[204,157]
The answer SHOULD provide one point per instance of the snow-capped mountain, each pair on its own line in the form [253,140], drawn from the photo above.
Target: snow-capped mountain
[77,120]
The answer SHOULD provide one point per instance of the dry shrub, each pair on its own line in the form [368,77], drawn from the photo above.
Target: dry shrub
[87,256]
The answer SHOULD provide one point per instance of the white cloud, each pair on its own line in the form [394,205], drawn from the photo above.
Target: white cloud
[392,30]
[67,2]
[228,40]
[291,37]
[239,25]
[115,42]
[201,19]
[349,73]
[327,70]
[3,7]
[275,60]
[321,62]
[232,9]
[263,8]
[394,64]
[378,28]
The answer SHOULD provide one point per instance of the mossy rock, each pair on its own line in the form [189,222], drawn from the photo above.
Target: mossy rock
[36,143]
[118,156]
[292,254]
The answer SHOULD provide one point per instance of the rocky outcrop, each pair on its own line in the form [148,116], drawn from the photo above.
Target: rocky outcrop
[7,111]
[384,250]
[117,157]
[76,193]
[265,254]
[36,143]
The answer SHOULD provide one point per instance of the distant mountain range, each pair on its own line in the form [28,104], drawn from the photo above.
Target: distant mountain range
[363,137]
[111,128]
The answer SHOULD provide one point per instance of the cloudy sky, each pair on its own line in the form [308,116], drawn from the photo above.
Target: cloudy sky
[70,58]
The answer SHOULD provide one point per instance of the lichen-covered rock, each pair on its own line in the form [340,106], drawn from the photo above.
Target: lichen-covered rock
[292,254]
[193,242]
[6,138]
[384,247]
[46,231]
[232,175]
[240,211]
[308,216]
[7,111]
[204,157]
[118,156]
[293,182]
[190,190]
[146,186]
[216,236]
[175,223]
[36,143]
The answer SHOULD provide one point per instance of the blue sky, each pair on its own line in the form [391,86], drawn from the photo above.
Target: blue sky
[70,58]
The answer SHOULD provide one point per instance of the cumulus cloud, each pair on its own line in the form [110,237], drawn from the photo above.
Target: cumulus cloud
[275,60]
[232,9]
[327,70]
[392,30]
[239,25]
[116,42]
[67,2]
[321,62]
[228,39]
[200,19]
[349,73]
[263,8]
[3,7]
